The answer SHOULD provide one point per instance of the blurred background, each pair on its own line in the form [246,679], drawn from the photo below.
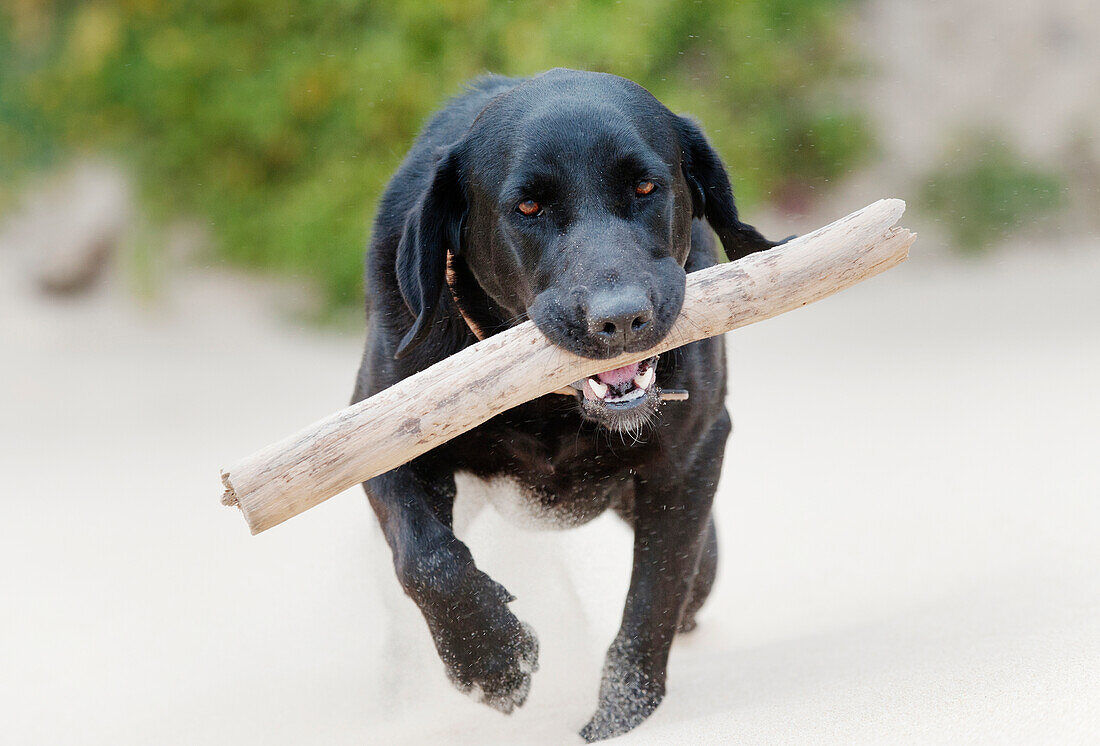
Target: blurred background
[910,505]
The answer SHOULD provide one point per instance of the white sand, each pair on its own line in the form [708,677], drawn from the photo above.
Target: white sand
[909,521]
[909,517]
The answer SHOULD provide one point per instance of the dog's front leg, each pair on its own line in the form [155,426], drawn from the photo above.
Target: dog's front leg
[671,514]
[487,652]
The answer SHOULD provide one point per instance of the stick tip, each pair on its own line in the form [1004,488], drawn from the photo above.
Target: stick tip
[894,206]
[229,497]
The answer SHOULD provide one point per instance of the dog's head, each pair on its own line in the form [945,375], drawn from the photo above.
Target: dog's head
[570,201]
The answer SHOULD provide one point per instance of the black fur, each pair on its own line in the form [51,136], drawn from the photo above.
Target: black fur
[596,255]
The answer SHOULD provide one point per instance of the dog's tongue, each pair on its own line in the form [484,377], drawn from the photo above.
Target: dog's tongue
[619,376]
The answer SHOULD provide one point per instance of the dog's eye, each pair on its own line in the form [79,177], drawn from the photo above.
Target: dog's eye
[642,188]
[529,207]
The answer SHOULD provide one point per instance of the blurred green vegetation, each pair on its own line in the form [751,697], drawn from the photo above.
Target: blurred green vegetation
[985,191]
[279,121]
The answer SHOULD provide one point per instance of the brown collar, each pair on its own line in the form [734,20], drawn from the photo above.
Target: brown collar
[452,280]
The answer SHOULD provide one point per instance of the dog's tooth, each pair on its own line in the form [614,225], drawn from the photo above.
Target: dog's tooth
[599,388]
[644,380]
[628,396]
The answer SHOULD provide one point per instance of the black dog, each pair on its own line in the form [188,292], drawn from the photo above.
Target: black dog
[574,199]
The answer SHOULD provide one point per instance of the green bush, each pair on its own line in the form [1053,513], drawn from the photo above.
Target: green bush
[280,120]
[986,191]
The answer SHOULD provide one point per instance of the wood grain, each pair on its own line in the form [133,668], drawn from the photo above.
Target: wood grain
[520,364]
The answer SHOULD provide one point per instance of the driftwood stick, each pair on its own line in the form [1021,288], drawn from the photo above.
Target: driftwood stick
[520,364]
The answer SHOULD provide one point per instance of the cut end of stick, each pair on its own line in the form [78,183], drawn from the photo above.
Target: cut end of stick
[229,497]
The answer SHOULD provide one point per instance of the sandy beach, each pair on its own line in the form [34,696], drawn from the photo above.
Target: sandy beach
[908,526]
[909,516]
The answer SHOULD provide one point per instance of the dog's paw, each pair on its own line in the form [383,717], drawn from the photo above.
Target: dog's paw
[494,665]
[627,697]
[620,714]
[486,651]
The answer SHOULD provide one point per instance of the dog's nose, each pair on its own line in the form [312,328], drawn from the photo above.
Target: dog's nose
[620,317]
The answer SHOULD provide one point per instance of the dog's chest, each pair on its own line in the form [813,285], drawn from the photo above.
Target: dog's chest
[543,471]
[538,505]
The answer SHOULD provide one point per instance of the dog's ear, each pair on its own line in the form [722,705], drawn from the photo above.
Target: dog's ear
[432,228]
[711,194]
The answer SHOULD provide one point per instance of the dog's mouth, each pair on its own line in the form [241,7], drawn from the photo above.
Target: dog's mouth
[623,398]
[621,388]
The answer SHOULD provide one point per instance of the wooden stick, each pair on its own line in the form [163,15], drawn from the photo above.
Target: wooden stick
[458,394]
